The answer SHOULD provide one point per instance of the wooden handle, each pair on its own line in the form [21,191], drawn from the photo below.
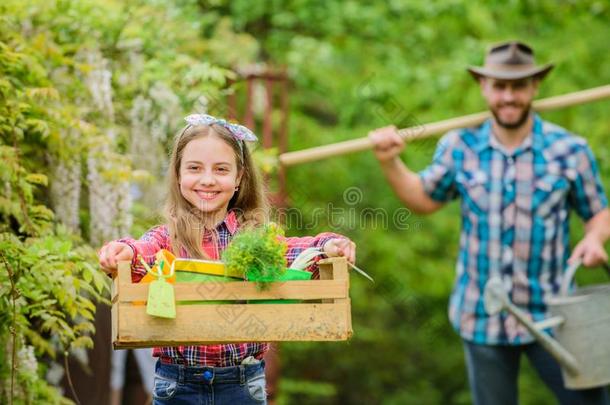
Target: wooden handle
[435,128]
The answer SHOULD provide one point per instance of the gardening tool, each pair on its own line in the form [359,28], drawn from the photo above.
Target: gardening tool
[306,257]
[421,131]
[161,299]
[581,342]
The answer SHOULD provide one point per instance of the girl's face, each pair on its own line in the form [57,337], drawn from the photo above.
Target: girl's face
[208,176]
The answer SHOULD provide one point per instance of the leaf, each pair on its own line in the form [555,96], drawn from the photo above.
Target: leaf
[49,324]
[84,327]
[101,281]
[87,276]
[42,94]
[41,344]
[37,178]
[84,342]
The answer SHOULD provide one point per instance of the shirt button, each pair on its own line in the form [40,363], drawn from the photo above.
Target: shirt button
[510,160]
[507,256]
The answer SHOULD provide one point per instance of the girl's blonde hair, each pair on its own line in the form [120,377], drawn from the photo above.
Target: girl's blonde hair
[184,221]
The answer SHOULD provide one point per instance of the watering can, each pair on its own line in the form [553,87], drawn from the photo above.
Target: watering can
[581,342]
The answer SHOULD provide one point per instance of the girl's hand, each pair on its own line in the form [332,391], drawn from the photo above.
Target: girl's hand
[112,253]
[341,247]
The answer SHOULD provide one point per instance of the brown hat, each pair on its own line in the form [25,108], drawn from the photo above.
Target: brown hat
[510,61]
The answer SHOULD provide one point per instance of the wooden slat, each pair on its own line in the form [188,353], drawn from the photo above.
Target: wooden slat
[120,280]
[208,324]
[114,290]
[331,260]
[114,322]
[336,269]
[242,290]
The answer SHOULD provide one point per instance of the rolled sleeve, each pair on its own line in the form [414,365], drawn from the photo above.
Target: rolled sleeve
[296,245]
[146,248]
[587,195]
[438,178]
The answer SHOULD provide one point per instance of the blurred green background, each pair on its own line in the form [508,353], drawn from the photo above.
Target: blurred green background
[91,93]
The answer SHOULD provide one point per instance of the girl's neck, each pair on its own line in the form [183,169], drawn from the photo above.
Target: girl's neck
[212,220]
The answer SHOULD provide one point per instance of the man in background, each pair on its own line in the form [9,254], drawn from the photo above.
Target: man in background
[518,178]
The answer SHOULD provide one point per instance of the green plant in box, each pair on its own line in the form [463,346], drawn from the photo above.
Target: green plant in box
[259,253]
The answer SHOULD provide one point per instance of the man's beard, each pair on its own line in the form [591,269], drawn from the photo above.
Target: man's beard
[516,124]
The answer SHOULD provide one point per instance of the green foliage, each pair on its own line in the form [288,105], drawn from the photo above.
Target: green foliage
[49,279]
[48,287]
[50,117]
[259,253]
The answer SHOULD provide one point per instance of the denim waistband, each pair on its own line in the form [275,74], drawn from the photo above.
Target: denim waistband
[208,375]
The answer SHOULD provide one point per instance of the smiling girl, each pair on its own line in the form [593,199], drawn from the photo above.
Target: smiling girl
[214,191]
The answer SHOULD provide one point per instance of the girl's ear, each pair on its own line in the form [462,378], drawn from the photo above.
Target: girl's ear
[239,176]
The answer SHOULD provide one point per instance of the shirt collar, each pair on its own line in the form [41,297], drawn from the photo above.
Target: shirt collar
[485,138]
[538,134]
[231,222]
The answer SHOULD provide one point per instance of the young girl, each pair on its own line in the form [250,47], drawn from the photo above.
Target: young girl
[214,190]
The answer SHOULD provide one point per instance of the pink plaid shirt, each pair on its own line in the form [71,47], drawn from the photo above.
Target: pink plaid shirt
[219,355]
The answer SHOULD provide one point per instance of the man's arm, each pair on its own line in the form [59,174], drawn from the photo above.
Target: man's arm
[408,187]
[588,198]
[406,184]
[599,226]
[591,247]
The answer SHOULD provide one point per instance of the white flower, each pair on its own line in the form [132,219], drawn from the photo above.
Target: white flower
[26,359]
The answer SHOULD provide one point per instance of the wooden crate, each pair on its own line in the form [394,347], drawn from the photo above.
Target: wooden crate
[324,314]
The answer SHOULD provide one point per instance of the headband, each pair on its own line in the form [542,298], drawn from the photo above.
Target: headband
[239,132]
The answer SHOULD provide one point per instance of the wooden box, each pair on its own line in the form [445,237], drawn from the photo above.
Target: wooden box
[324,314]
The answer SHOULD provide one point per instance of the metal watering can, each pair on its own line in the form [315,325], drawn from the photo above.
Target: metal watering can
[582,328]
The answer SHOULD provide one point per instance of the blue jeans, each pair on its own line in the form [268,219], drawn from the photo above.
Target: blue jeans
[244,384]
[493,372]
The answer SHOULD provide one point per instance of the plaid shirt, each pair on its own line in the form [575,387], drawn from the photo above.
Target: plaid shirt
[219,355]
[515,219]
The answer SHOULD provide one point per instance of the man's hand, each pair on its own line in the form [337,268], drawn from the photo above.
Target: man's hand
[387,143]
[112,253]
[591,250]
[341,247]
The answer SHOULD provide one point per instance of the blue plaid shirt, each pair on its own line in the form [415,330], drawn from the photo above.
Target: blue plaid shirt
[515,219]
